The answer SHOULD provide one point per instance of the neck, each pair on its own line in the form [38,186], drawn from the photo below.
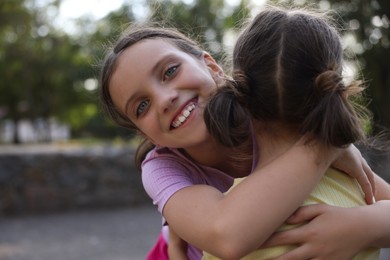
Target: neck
[215,155]
[273,139]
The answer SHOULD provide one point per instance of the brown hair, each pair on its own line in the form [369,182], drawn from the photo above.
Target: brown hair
[287,67]
[134,34]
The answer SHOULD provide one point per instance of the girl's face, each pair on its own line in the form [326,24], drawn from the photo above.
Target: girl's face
[163,91]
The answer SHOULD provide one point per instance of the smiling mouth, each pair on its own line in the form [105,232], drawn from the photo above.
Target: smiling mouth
[181,118]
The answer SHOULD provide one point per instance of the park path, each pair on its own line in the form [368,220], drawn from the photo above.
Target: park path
[111,234]
[115,234]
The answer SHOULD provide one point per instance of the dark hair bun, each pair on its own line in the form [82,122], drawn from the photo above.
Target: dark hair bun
[226,118]
[329,81]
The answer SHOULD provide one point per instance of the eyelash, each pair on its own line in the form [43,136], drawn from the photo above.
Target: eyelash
[172,70]
[141,108]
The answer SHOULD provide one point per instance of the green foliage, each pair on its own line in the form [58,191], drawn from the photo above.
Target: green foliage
[40,67]
[43,70]
[204,20]
[369,22]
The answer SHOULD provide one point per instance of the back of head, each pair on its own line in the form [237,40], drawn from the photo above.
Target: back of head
[288,68]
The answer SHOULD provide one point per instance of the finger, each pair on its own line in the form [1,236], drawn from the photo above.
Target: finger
[306,213]
[371,176]
[287,237]
[365,184]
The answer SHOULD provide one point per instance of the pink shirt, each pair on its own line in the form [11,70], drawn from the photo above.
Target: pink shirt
[167,170]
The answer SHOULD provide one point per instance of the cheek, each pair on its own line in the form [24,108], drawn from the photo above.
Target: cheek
[208,85]
[211,88]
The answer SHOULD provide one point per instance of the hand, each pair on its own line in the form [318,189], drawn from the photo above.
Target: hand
[351,162]
[331,233]
[177,248]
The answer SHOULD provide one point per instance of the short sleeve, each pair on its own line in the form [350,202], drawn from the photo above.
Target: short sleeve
[162,177]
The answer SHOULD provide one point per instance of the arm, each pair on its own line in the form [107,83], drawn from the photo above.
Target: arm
[233,225]
[177,248]
[354,165]
[382,192]
[382,211]
[345,231]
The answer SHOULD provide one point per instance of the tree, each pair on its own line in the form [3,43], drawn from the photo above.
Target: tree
[14,26]
[369,22]
[207,21]
[42,68]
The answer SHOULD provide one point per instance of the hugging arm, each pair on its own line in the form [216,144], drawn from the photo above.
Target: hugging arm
[234,225]
[356,166]
[345,231]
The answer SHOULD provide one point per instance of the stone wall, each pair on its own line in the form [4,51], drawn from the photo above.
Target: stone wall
[36,179]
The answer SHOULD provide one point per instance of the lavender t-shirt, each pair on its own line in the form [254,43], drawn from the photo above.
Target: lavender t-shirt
[166,171]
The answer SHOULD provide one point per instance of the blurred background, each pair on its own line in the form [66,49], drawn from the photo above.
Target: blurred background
[68,188]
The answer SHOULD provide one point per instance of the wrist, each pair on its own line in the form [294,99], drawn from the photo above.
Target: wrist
[321,154]
[376,218]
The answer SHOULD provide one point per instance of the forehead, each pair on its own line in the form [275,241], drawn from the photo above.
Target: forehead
[141,57]
[151,48]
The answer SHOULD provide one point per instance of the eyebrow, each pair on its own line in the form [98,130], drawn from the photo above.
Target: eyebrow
[164,59]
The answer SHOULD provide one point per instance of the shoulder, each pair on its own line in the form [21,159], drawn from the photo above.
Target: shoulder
[161,160]
[164,172]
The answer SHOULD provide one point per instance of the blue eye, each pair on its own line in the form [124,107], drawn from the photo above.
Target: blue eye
[143,105]
[170,71]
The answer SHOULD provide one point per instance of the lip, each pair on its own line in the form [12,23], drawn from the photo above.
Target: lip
[180,111]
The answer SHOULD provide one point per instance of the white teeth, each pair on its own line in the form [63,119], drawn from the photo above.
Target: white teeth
[184,115]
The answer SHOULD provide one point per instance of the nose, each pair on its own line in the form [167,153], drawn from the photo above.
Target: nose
[166,98]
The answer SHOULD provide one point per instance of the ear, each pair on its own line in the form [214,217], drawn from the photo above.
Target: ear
[215,70]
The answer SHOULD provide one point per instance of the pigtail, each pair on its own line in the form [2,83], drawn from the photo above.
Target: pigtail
[331,116]
[226,117]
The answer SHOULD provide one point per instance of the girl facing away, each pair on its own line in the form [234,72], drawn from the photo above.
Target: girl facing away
[158,82]
[287,82]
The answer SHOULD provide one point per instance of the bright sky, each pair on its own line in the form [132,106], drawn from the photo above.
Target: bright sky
[96,9]
[71,9]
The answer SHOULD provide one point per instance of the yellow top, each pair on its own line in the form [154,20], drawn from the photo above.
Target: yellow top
[335,188]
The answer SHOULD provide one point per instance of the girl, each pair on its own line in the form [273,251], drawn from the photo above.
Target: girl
[288,81]
[158,82]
